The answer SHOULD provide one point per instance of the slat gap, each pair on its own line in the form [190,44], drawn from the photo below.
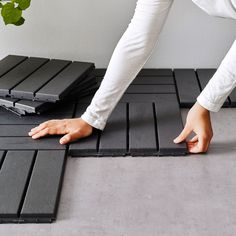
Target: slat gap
[127,128]
[155,125]
[27,183]
[2,159]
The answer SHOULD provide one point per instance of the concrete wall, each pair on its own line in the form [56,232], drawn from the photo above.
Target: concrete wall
[88,30]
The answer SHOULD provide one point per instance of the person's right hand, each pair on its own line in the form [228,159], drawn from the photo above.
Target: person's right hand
[71,128]
[198,120]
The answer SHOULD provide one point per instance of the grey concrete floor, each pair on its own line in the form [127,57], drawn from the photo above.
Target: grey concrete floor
[181,196]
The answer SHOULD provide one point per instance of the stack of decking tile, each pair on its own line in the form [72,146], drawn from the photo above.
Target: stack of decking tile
[34,85]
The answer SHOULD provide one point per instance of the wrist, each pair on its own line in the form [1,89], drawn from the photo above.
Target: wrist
[200,108]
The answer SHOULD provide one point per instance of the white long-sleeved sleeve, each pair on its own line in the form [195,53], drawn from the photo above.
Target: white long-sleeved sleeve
[221,84]
[218,8]
[131,53]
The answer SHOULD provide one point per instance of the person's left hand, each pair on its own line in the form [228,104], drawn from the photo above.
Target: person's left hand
[72,128]
[198,121]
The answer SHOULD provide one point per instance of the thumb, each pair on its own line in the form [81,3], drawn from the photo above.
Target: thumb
[183,135]
[68,138]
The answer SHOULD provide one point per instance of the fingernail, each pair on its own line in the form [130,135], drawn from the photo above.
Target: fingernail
[62,141]
[34,128]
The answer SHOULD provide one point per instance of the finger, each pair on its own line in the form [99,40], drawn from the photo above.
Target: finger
[69,138]
[203,143]
[38,128]
[194,139]
[201,146]
[43,133]
[53,126]
[183,135]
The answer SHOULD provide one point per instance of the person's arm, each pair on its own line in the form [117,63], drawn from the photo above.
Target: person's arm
[129,56]
[211,99]
[131,53]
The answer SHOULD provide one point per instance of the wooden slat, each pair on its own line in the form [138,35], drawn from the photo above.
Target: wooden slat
[14,110]
[142,135]
[187,86]
[151,89]
[8,102]
[32,106]
[42,196]
[27,143]
[86,146]
[61,84]
[19,73]
[9,62]
[99,72]
[204,75]
[157,72]
[29,86]
[169,125]
[132,97]
[7,118]
[15,130]
[113,141]
[14,174]
[153,80]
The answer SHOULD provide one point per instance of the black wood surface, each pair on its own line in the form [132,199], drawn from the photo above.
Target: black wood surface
[169,125]
[19,73]
[9,62]
[61,84]
[87,146]
[156,72]
[187,86]
[42,196]
[154,80]
[142,130]
[113,140]
[28,88]
[154,88]
[14,175]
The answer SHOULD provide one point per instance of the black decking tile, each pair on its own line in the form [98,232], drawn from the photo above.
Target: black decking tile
[61,84]
[32,106]
[156,72]
[8,102]
[169,125]
[7,118]
[19,73]
[14,110]
[9,62]
[187,86]
[15,130]
[27,88]
[27,143]
[150,88]
[153,80]
[14,175]
[113,140]
[42,196]
[86,146]
[142,134]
